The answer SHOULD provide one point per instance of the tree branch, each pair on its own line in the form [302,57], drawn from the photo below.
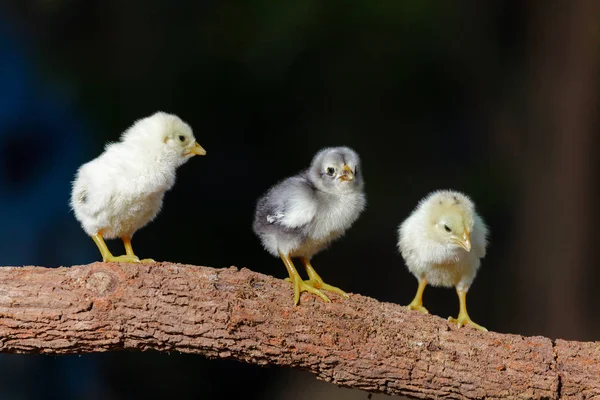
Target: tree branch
[243,315]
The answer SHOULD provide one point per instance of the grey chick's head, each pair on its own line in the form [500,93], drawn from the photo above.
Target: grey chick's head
[336,170]
[451,217]
[165,135]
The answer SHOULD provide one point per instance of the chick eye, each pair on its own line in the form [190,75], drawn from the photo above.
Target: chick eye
[447,228]
[181,138]
[330,171]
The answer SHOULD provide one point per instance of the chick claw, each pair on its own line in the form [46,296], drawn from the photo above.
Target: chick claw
[124,258]
[464,319]
[107,255]
[305,286]
[129,250]
[463,316]
[319,284]
[418,307]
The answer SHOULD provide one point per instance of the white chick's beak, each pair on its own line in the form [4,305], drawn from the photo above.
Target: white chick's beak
[347,174]
[464,241]
[197,150]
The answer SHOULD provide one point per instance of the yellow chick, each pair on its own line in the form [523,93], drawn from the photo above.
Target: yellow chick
[122,190]
[442,242]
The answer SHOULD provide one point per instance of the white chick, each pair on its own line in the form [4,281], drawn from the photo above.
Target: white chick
[122,190]
[442,243]
[303,214]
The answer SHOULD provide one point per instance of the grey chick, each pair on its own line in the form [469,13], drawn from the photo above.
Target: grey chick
[301,215]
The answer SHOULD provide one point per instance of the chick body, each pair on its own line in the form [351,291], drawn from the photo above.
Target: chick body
[427,254]
[443,241]
[122,190]
[301,215]
[297,219]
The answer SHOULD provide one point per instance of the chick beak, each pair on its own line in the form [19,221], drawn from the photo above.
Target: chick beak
[197,150]
[347,174]
[464,241]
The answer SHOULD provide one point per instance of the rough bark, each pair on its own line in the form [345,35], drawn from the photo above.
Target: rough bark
[239,314]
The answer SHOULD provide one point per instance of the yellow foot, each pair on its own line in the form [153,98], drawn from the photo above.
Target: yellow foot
[417,303]
[418,307]
[464,319]
[129,250]
[306,286]
[319,284]
[124,258]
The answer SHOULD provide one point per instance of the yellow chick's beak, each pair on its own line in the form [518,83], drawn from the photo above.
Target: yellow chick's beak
[197,150]
[347,174]
[464,241]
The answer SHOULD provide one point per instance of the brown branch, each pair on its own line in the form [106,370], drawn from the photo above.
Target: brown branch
[227,313]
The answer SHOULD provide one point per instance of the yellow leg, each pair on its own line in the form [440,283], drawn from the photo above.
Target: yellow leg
[463,316]
[299,284]
[127,242]
[129,250]
[106,254]
[315,280]
[417,303]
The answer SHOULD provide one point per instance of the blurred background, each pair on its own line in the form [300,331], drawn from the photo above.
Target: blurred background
[495,99]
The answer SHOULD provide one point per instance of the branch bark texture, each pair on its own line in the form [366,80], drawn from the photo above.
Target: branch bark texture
[243,315]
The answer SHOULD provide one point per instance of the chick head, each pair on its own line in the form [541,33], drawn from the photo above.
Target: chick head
[336,170]
[165,134]
[450,217]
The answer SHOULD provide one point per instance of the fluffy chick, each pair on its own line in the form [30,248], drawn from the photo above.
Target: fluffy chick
[442,243]
[303,214]
[122,190]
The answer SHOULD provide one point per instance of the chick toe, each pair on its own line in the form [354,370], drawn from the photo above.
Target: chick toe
[464,319]
[417,303]
[318,286]
[417,307]
[463,316]
[299,284]
[107,255]
[129,249]
[306,286]
[317,282]
[124,258]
